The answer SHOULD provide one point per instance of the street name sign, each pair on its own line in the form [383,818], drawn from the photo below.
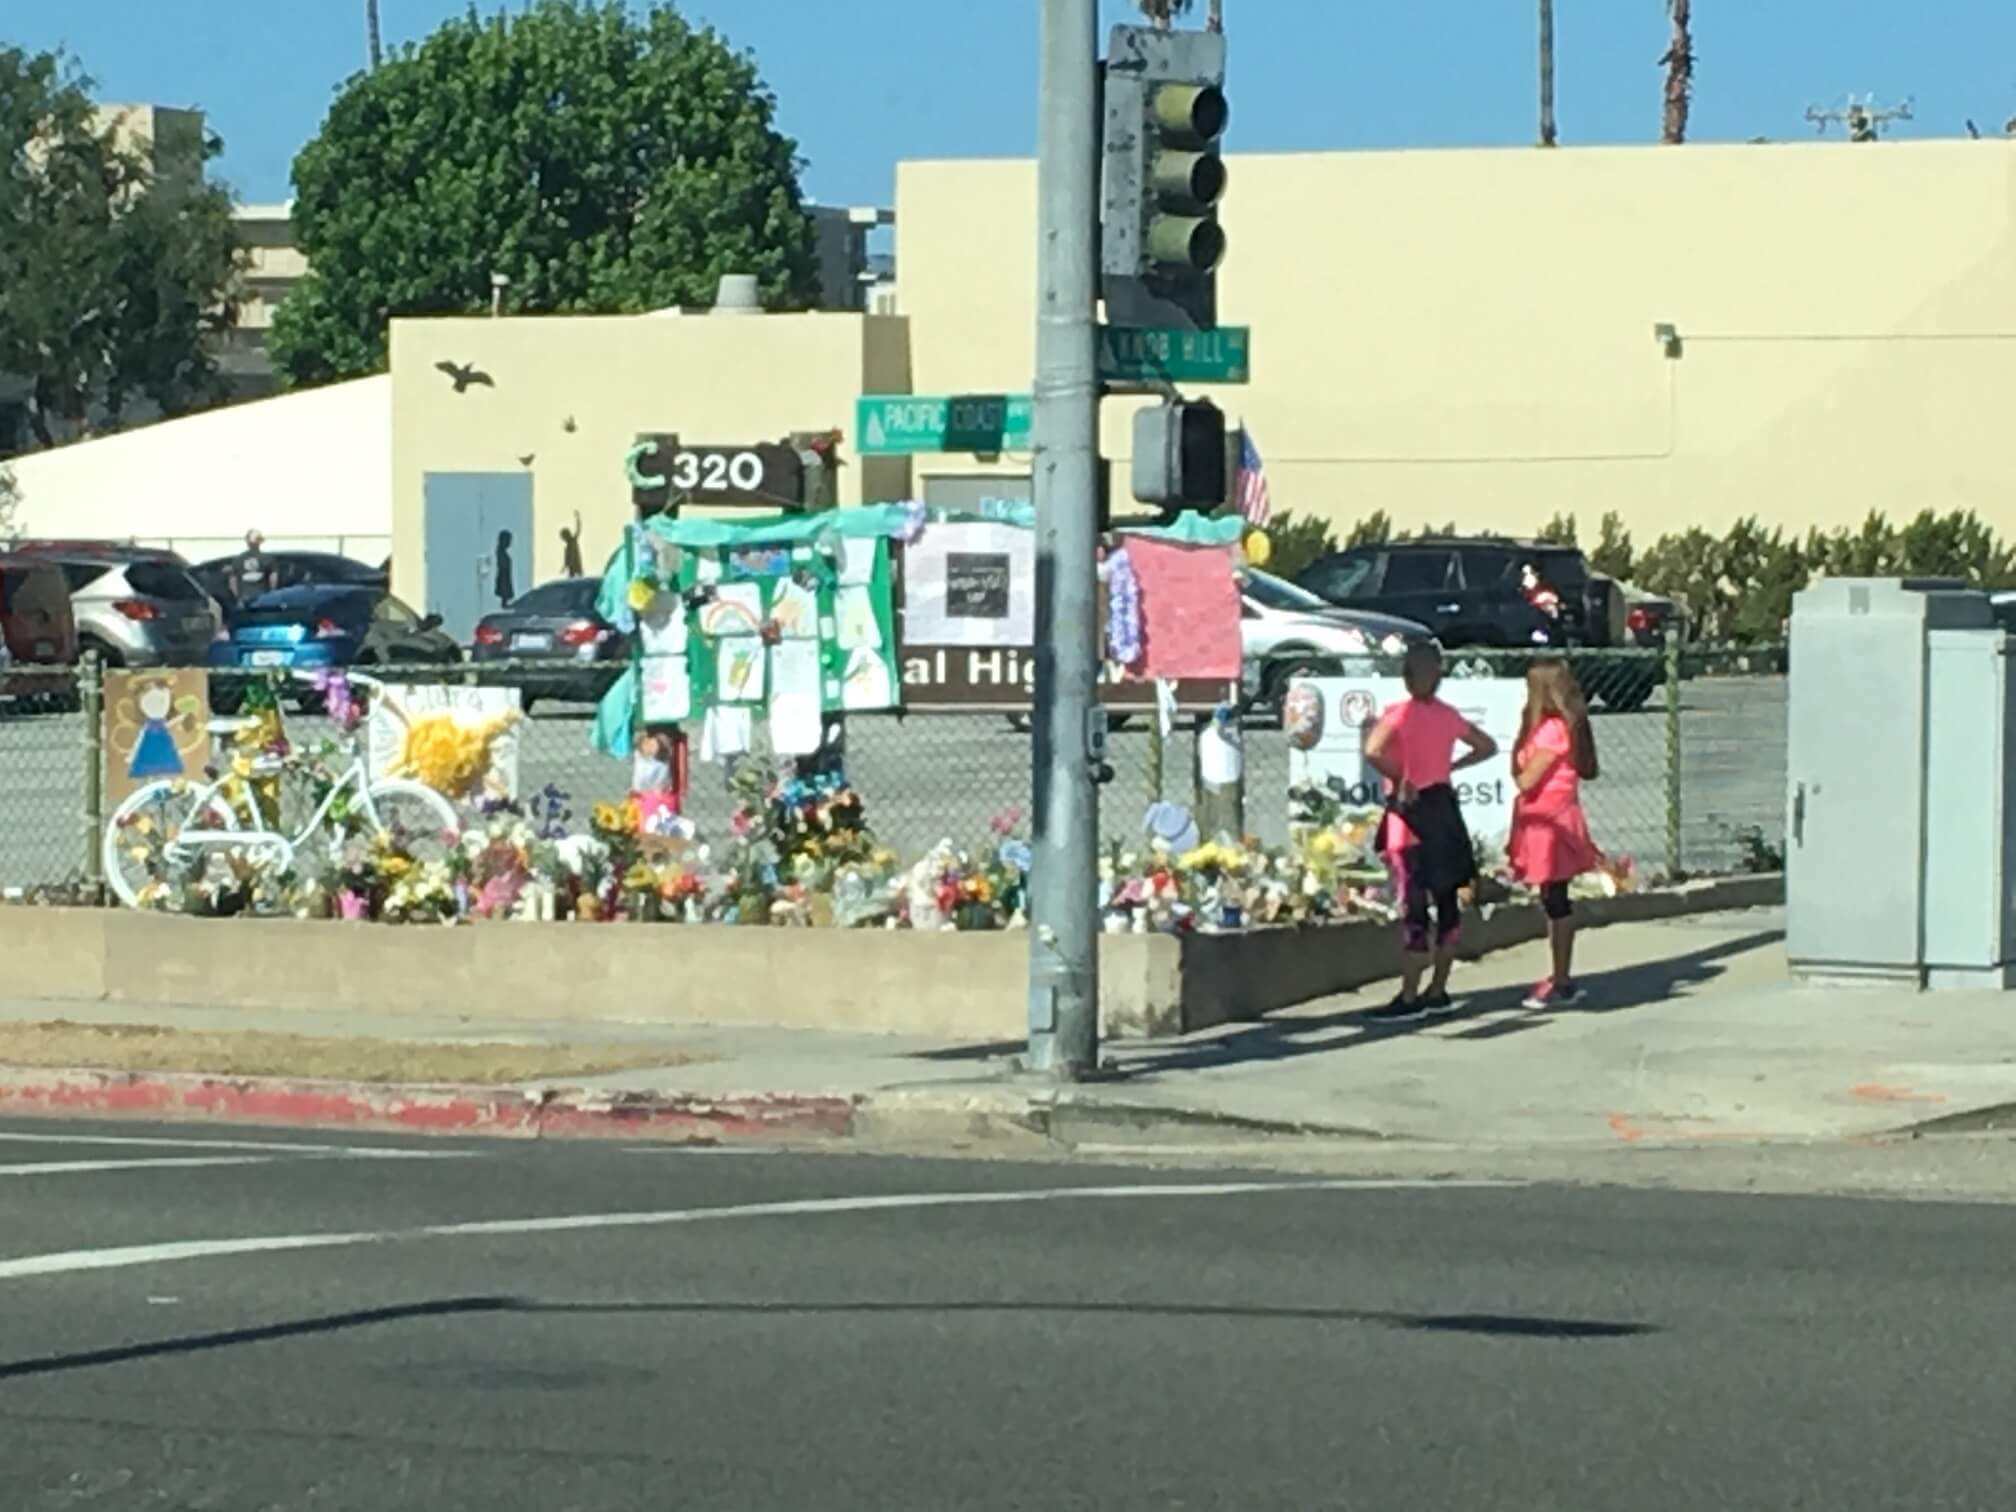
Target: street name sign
[897,425]
[1129,354]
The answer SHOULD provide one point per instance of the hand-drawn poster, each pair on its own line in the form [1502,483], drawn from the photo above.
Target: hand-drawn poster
[458,740]
[970,583]
[1189,610]
[667,695]
[157,726]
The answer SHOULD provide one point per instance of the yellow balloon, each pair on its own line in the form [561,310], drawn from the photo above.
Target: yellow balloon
[1258,547]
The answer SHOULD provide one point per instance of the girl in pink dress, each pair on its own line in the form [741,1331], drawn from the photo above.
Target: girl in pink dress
[1423,837]
[1550,843]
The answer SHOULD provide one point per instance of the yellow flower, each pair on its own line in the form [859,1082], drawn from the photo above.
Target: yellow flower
[606,817]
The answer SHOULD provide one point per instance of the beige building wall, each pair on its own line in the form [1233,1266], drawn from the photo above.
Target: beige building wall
[1469,336]
[572,394]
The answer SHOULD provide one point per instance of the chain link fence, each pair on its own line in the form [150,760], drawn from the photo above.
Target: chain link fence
[1692,745]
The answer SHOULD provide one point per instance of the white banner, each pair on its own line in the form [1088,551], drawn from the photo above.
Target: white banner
[1327,717]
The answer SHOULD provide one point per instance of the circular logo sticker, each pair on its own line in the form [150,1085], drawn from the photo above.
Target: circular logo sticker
[1357,709]
[1302,716]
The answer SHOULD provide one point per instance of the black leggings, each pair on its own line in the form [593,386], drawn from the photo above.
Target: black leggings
[1415,899]
[1554,900]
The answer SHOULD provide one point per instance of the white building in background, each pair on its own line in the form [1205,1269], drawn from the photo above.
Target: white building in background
[312,470]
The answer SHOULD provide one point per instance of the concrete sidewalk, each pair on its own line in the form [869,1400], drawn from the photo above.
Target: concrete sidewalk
[1691,1032]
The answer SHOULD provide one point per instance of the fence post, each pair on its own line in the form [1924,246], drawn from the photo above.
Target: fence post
[1157,754]
[1675,861]
[91,701]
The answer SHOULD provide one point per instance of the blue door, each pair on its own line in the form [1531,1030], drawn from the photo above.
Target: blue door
[478,545]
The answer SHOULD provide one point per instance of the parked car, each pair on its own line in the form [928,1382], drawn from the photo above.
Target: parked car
[1648,616]
[39,630]
[324,625]
[294,569]
[1288,631]
[1472,591]
[135,607]
[563,649]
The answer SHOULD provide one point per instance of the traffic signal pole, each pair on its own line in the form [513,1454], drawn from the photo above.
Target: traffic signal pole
[1063,884]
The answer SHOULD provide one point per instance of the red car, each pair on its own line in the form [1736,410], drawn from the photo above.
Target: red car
[39,630]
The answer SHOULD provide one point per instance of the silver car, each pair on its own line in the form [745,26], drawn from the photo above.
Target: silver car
[139,611]
[1288,631]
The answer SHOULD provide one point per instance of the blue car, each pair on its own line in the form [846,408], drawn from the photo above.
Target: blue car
[323,625]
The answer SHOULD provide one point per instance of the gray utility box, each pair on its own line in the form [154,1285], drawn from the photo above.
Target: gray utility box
[1900,841]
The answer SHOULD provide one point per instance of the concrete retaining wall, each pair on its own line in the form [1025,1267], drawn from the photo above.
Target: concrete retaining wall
[951,986]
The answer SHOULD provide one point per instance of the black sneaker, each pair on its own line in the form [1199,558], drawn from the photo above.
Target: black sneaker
[1438,1004]
[1399,1011]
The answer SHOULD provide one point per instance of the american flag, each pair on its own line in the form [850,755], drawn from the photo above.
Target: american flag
[1255,502]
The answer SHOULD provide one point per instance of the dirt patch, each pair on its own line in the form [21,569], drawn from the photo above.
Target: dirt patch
[146,1047]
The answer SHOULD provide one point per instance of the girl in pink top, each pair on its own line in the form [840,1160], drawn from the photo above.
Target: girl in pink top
[1423,836]
[1550,843]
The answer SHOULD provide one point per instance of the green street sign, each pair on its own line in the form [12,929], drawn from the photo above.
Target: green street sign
[896,425]
[1128,355]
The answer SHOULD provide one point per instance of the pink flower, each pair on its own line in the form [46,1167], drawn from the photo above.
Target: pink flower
[1004,822]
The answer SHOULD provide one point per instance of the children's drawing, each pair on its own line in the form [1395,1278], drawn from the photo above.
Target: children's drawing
[868,684]
[668,689]
[858,625]
[156,726]
[735,609]
[795,611]
[739,670]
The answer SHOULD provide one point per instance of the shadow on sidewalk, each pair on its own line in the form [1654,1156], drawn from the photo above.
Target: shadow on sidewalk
[1286,1037]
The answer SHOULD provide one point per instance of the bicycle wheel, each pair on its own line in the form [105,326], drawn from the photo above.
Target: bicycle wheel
[141,830]
[416,818]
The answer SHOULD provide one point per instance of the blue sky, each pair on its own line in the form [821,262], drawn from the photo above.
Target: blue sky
[862,85]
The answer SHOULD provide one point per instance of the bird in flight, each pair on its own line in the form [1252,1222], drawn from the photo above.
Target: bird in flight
[462,375]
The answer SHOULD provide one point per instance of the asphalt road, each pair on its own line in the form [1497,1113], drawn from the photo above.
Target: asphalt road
[572,1327]
[932,777]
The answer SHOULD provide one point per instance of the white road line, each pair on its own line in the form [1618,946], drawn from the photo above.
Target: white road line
[66,1261]
[82,1167]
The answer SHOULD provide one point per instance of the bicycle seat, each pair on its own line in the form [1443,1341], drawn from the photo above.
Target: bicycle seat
[223,726]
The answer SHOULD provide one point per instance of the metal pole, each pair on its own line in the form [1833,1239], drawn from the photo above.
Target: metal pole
[1675,859]
[91,702]
[1063,898]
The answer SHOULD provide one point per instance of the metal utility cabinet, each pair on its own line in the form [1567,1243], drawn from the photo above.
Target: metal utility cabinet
[1900,830]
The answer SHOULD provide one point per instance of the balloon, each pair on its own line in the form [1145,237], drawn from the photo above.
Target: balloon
[1258,547]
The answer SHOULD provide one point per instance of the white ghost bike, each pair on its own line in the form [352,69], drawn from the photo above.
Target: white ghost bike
[167,825]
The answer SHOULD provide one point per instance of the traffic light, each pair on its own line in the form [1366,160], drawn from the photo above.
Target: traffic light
[1179,455]
[1160,240]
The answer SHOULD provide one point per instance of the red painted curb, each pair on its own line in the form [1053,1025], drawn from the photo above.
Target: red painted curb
[500,1112]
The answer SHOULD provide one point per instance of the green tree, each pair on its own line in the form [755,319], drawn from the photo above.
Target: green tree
[1560,530]
[601,161]
[1295,543]
[113,286]
[1370,530]
[1613,555]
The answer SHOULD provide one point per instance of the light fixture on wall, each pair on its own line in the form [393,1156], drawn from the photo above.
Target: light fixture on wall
[1668,336]
[500,283]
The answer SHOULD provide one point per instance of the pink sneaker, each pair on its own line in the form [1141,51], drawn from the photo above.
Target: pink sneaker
[1552,994]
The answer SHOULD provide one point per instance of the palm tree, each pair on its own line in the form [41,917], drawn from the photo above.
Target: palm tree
[374,44]
[1679,61]
[1547,131]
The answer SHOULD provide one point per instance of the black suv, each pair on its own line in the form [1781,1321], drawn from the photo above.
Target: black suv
[1470,590]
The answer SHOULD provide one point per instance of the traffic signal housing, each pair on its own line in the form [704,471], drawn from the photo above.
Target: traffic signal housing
[1179,455]
[1160,238]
